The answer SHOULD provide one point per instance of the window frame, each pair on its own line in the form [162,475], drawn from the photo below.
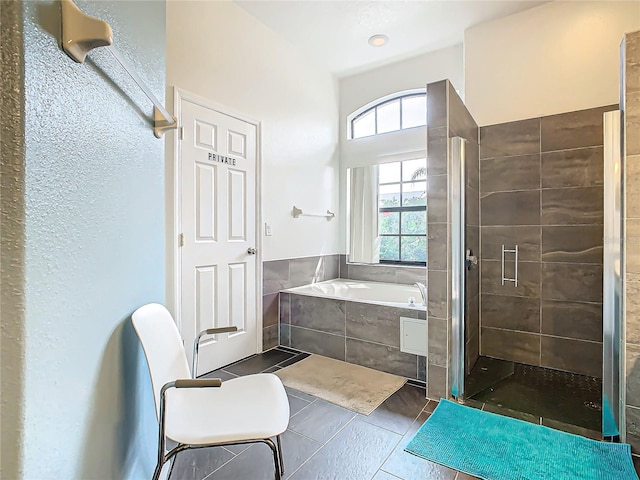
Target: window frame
[373,106]
[401,209]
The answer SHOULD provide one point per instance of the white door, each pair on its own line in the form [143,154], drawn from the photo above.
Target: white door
[218,155]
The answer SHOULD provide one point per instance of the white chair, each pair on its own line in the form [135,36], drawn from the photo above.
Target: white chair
[198,413]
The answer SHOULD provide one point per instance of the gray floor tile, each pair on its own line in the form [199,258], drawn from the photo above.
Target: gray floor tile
[259,363]
[380,475]
[299,394]
[296,404]
[407,466]
[355,454]
[398,412]
[320,421]
[221,374]
[198,463]
[256,462]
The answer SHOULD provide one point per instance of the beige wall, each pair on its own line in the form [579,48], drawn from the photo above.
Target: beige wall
[268,80]
[558,57]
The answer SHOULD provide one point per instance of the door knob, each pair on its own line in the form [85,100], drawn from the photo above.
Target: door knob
[251,251]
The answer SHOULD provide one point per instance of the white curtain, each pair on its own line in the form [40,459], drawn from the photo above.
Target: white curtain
[364,242]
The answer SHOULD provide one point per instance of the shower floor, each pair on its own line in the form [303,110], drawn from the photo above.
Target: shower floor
[561,400]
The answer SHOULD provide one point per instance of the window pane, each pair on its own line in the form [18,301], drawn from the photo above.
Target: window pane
[412,169]
[389,248]
[414,222]
[389,172]
[414,249]
[365,125]
[389,222]
[389,195]
[414,193]
[389,117]
[414,111]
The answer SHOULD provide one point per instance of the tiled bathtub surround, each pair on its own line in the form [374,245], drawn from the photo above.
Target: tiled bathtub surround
[541,188]
[281,274]
[631,108]
[356,332]
[382,273]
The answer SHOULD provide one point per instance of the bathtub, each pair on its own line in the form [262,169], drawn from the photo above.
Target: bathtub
[376,293]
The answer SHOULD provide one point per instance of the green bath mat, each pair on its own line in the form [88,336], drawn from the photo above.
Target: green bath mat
[493,447]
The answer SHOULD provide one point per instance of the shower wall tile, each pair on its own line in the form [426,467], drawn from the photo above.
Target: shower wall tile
[577,129]
[528,278]
[633,250]
[472,351]
[437,339]
[632,113]
[437,199]
[321,343]
[270,309]
[510,345]
[573,206]
[633,375]
[374,323]
[511,313]
[472,162]
[632,65]
[437,251]
[461,123]
[472,207]
[633,428]
[422,368]
[438,305]
[527,238]
[510,208]
[344,268]
[632,306]
[472,317]
[572,281]
[510,173]
[275,276]
[513,138]
[323,314]
[437,104]
[577,320]
[582,167]
[381,357]
[632,172]
[437,382]
[437,142]
[285,335]
[572,244]
[572,355]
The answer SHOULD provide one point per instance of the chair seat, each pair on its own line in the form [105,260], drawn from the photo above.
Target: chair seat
[245,408]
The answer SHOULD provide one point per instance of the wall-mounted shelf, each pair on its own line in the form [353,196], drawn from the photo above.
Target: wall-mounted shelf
[82,33]
[297,212]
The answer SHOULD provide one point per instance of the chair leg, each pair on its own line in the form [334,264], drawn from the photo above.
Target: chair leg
[156,472]
[280,455]
[276,459]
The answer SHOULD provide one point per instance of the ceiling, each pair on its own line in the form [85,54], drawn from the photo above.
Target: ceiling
[336,32]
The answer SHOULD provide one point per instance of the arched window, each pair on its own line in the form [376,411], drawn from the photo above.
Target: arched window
[398,111]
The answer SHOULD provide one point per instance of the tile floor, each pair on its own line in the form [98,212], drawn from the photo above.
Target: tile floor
[325,441]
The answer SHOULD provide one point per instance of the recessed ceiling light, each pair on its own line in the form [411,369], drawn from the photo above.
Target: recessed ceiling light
[378,40]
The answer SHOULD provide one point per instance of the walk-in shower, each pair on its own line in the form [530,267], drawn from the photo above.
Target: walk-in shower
[536,322]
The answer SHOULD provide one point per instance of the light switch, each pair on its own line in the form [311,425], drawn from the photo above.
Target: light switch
[267,230]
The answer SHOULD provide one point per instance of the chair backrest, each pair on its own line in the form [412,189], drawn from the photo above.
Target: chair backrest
[162,346]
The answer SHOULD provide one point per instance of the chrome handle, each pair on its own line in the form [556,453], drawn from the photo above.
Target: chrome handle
[251,251]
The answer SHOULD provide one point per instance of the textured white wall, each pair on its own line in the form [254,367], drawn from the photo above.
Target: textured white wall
[93,246]
[558,57]
[220,52]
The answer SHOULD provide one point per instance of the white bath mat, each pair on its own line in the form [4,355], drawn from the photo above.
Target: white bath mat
[357,388]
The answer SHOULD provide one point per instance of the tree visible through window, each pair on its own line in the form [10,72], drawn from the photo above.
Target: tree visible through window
[397,113]
[402,211]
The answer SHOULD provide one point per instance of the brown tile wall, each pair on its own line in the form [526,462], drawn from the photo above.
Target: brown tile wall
[541,188]
[281,274]
[631,108]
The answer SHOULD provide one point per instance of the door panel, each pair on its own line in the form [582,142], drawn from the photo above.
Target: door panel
[218,156]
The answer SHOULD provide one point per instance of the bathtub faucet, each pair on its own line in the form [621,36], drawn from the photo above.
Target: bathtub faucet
[423,292]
